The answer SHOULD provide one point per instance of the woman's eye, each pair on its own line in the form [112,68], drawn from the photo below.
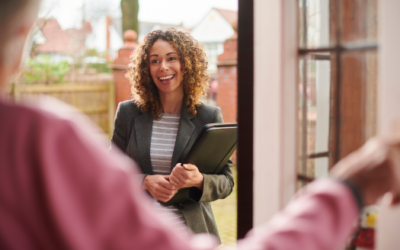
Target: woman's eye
[172,58]
[154,61]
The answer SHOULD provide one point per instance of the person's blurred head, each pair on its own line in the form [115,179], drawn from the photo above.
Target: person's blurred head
[17,18]
[193,67]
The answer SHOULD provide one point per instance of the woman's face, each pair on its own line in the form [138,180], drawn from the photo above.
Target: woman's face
[165,67]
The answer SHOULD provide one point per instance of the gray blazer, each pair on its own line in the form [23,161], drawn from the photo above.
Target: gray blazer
[132,135]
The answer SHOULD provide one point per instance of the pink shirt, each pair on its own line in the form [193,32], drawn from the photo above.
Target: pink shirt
[60,189]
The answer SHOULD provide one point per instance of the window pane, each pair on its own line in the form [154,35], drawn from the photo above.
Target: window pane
[314,113]
[358,21]
[315,24]
[321,167]
[213,50]
[357,120]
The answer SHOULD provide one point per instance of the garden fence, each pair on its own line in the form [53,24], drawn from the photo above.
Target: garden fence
[97,101]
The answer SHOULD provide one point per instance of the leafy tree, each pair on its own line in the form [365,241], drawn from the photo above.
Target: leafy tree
[43,70]
[130,9]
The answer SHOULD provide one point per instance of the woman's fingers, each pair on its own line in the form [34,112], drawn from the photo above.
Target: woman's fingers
[166,195]
[164,198]
[163,194]
[165,190]
[159,187]
[178,182]
[179,172]
[179,169]
[189,167]
[167,183]
[186,175]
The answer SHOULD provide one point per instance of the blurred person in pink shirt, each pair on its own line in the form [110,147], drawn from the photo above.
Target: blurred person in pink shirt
[60,189]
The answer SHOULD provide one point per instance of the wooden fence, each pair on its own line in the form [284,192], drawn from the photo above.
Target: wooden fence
[97,101]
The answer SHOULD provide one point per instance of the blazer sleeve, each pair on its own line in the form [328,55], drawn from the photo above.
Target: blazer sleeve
[120,133]
[216,186]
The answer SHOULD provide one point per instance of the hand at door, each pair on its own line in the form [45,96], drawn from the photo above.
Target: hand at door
[186,175]
[374,169]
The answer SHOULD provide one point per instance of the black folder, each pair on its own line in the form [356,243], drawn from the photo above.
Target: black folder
[210,152]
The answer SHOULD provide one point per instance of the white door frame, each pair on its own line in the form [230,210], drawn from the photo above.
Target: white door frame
[275,106]
[388,106]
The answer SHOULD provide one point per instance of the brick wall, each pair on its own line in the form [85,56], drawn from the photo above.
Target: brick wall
[227,92]
[227,82]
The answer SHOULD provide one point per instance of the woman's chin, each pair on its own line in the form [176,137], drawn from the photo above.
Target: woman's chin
[167,86]
[169,89]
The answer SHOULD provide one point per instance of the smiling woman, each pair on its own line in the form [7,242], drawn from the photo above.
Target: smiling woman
[179,46]
[159,126]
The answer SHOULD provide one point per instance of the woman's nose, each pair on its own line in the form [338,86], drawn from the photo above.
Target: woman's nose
[164,65]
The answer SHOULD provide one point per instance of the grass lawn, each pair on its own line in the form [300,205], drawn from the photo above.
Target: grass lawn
[225,215]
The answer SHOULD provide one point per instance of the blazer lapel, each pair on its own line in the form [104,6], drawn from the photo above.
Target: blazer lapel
[185,131]
[143,129]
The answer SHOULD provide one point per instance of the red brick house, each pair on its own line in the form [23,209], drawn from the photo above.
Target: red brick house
[58,41]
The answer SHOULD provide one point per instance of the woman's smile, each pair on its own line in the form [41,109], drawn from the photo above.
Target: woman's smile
[166,79]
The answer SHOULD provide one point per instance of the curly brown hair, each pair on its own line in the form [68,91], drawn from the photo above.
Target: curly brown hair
[193,66]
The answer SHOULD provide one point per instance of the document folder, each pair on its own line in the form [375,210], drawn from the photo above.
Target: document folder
[210,152]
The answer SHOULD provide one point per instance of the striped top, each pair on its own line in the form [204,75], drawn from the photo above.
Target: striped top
[163,139]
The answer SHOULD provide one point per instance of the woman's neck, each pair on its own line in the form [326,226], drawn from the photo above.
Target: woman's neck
[171,103]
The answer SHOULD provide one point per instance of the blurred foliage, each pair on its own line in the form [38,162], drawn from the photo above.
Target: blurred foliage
[92,52]
[100,67]
[43,70]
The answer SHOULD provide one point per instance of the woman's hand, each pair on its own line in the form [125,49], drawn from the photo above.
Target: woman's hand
[159,187]
[185,176]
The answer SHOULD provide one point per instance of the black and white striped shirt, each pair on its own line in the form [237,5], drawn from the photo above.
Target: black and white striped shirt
[162,146]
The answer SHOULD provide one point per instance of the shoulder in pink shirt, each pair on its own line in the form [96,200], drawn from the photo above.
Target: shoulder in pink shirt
[60,189]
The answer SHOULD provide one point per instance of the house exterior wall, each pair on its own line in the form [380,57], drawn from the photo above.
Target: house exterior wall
[213,28]
[212,31]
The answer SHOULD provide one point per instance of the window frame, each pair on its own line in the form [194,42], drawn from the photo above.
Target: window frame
[248,166]
[267,104]
[338,50]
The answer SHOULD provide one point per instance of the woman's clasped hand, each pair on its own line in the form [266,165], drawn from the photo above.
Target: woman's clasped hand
[185,176]
[164,187]
[160,187]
